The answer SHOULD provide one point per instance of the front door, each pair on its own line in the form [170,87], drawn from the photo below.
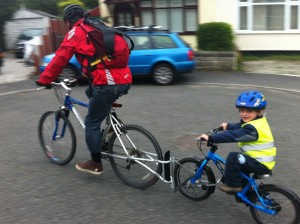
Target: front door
[123,15]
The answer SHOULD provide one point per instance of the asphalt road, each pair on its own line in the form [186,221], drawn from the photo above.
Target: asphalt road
[34,191]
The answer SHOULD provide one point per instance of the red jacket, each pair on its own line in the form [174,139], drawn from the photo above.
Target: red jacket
[75,42]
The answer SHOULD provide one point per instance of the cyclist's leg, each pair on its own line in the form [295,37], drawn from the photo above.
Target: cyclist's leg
[232,170]
[99,106]
[253,166]
[234,166]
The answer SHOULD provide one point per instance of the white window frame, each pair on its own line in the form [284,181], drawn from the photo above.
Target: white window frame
[287,16]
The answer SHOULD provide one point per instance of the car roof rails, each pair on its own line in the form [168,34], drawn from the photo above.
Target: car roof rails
[141,28]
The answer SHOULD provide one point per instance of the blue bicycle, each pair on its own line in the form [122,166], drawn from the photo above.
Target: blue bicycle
[132,151]
[268,203]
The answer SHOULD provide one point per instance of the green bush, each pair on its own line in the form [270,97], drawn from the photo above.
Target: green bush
[215,36]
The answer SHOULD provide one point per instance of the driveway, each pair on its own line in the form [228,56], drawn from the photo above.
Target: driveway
[14,69]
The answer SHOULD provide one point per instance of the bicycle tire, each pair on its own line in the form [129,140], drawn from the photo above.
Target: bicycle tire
[281,199]
[129,171]
[62,150]
[203,188]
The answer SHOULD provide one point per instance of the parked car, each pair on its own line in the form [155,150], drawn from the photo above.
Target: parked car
[160,54]
[25,35]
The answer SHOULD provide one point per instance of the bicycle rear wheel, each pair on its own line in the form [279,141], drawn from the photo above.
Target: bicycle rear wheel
[140,144]
[57,137]
[279,199]
[202,188]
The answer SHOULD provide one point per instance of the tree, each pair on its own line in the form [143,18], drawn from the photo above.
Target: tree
[64,3]
[48,6]
[6,12]
[90,3]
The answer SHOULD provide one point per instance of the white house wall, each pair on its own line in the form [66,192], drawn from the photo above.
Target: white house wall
[21,20]
[13,28]
[268,42]
[227,11]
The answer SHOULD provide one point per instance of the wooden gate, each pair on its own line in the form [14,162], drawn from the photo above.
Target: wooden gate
[51,41]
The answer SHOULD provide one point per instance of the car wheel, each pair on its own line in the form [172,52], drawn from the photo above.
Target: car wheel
[69,72]
[163,74]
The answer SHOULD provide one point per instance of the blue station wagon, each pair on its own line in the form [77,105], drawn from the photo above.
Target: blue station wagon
[160,54]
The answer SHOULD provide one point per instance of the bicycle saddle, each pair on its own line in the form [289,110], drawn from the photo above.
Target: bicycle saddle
[262,176]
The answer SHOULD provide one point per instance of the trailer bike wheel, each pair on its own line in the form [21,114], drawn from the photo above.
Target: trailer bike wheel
[202,188]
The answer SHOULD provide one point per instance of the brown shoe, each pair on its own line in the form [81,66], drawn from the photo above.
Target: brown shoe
[228,189]
[90,167]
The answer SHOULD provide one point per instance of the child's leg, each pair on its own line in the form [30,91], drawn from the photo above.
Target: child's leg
[232,170]
[253,166]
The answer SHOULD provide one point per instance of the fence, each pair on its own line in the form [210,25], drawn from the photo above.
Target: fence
[51,41]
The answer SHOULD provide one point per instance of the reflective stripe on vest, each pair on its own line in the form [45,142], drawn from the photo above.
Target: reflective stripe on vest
[263,146]
[263,149]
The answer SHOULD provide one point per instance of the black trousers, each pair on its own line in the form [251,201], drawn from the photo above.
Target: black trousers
[233,168]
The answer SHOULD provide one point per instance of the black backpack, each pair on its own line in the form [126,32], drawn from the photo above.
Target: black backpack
[113,46]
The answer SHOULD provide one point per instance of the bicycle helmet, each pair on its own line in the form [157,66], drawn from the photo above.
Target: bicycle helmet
[73,13]
[251,99]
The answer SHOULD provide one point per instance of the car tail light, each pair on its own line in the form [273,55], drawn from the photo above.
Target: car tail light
[190,55]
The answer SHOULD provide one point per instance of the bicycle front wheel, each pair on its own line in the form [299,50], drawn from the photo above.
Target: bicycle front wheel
[202,188]
[57,137]
[281,200]
[140,144]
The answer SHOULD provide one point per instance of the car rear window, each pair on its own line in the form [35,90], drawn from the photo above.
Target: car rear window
[162,42]
[141,42]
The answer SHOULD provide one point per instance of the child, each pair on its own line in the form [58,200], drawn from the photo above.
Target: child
[255,140]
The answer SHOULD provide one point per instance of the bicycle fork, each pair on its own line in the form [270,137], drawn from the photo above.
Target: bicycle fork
[58,113]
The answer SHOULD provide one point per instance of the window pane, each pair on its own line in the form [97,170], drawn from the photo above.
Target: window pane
[160,3]
[141,42]
[176,24]
[176,3]
[124,19]
[268,17]
[146,3]
[243,18]
[294,17]
[191,2]
[163,42]
[147,18]
[162,18]
[191,20]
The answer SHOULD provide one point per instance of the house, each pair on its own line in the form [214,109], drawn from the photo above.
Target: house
[259,25]
[25,19]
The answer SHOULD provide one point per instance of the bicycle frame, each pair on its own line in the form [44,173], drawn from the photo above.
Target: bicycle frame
[69,105]
[251,183]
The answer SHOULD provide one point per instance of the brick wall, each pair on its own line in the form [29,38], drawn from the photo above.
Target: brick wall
[216,60]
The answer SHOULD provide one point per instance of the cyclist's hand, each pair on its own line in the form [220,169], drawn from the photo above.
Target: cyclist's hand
[203,137]
[224,126]
[47,86]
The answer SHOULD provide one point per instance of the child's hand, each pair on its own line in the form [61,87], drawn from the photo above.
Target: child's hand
[224,125]
[203,137]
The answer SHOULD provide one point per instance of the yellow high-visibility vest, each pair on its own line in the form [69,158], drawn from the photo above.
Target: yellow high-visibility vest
[263,149]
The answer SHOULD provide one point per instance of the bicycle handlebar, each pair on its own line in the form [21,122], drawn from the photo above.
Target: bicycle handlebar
[220,128]
[65,84]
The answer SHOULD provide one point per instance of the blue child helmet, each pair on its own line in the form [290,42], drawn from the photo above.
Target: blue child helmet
[251,99]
